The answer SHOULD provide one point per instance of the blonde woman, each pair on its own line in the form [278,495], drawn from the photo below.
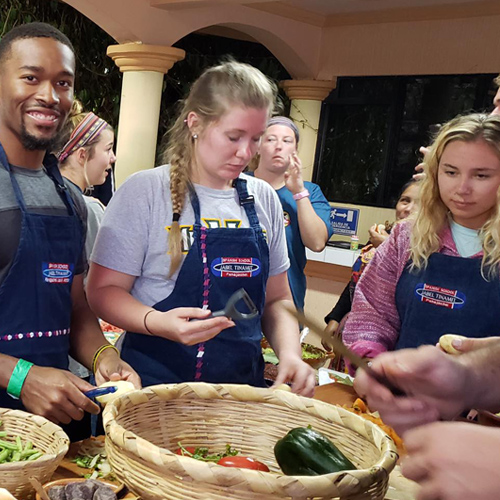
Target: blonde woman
[85,160]
[439,273]
[177,241]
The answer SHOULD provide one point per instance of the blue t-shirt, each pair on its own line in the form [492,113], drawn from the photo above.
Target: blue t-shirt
[296,248]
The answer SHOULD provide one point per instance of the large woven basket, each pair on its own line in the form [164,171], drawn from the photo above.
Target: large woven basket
[143,427]
[45,436]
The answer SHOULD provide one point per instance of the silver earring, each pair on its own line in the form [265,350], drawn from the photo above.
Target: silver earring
[195,136]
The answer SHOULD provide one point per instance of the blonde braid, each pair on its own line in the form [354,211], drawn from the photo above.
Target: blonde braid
[180,156]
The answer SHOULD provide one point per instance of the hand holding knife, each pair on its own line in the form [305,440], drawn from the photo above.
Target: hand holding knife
[340,348]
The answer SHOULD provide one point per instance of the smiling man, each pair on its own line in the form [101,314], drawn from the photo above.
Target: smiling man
[43,310]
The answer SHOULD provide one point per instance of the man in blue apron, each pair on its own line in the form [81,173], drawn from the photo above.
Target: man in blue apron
[43,309]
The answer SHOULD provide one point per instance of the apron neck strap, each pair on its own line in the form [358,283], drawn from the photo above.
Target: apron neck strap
[247,202]
[50,165]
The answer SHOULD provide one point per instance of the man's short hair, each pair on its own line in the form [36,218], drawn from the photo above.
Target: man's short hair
[31,30]
[497,81]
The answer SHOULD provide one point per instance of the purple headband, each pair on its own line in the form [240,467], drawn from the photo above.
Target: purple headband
[89,128]
[283,120]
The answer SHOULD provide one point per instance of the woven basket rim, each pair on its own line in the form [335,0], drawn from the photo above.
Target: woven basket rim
[49,428]
[140,448]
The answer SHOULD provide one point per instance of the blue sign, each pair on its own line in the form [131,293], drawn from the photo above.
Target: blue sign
[344,220]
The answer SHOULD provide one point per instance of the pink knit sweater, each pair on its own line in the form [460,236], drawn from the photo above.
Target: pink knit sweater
[374,323]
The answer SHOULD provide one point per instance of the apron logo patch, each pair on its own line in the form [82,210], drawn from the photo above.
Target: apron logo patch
[235,267]
[438,296]
[57,273]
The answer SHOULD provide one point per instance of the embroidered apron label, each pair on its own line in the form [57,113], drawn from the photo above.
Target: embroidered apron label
[438,296]
[235,267]
[57,273]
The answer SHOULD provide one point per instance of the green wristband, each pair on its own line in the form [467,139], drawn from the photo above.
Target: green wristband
[18,377]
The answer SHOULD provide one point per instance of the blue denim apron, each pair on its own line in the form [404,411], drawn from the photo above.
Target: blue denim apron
[35,296]
[449,296]
[219,262]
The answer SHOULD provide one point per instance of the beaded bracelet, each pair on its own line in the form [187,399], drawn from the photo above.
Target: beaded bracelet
[18,377]
[99,352]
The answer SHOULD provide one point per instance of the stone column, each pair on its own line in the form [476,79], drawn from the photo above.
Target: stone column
[305,110]
[143,68]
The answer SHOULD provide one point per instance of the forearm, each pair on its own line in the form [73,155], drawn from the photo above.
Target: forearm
[7,364]
[312,227]
[86,335]
[342,307]
[281,329]
[116,306]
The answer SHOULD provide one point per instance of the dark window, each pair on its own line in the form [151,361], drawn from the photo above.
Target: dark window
[371,129]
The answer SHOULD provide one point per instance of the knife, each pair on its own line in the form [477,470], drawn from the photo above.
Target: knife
[340,348]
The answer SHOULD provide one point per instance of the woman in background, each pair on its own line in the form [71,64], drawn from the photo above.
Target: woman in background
[86,159]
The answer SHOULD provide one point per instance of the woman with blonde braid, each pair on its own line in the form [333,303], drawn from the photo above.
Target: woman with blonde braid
[439,273]
[177,241]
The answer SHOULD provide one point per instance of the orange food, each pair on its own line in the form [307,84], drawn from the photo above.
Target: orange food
[360,408]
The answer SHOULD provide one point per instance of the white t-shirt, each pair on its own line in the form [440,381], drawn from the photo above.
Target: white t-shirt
[133,236]
[467,241]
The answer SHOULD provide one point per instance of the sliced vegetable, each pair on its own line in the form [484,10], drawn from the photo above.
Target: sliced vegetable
[13,449]
[204,454]
[306,452]
[243,463]
[188,451]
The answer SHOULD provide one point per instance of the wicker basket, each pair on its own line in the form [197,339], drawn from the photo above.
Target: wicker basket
[143,426]
[46,437]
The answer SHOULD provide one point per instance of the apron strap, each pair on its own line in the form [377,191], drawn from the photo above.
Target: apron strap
[52,169]
[247,202]
[50,164]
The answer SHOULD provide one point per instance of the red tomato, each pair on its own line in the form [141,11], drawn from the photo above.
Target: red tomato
[189,449]
[243,463]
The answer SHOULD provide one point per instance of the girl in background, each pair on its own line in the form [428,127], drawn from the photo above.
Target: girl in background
[86,160]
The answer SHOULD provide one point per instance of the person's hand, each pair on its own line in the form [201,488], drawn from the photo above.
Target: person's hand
[420,167]
[330,331]
[377,235]
[454,461]
[435,382]
[56,395]
[176,325]
[300,374]
[467,344]
[111,367]
[293,176]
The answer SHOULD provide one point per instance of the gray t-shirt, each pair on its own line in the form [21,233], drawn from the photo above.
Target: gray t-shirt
[41,197]
[95,214]
[133,237]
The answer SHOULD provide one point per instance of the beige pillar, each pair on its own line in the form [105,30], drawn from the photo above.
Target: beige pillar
[143,68]
[305,110]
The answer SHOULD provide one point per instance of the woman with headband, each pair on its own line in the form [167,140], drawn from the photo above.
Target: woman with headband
[179,240]
[85,160]
[306,210]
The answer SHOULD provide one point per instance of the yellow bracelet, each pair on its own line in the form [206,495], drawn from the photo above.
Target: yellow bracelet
[99,352]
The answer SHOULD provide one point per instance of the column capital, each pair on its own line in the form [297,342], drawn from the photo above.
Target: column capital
[310,90]
[140,57]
